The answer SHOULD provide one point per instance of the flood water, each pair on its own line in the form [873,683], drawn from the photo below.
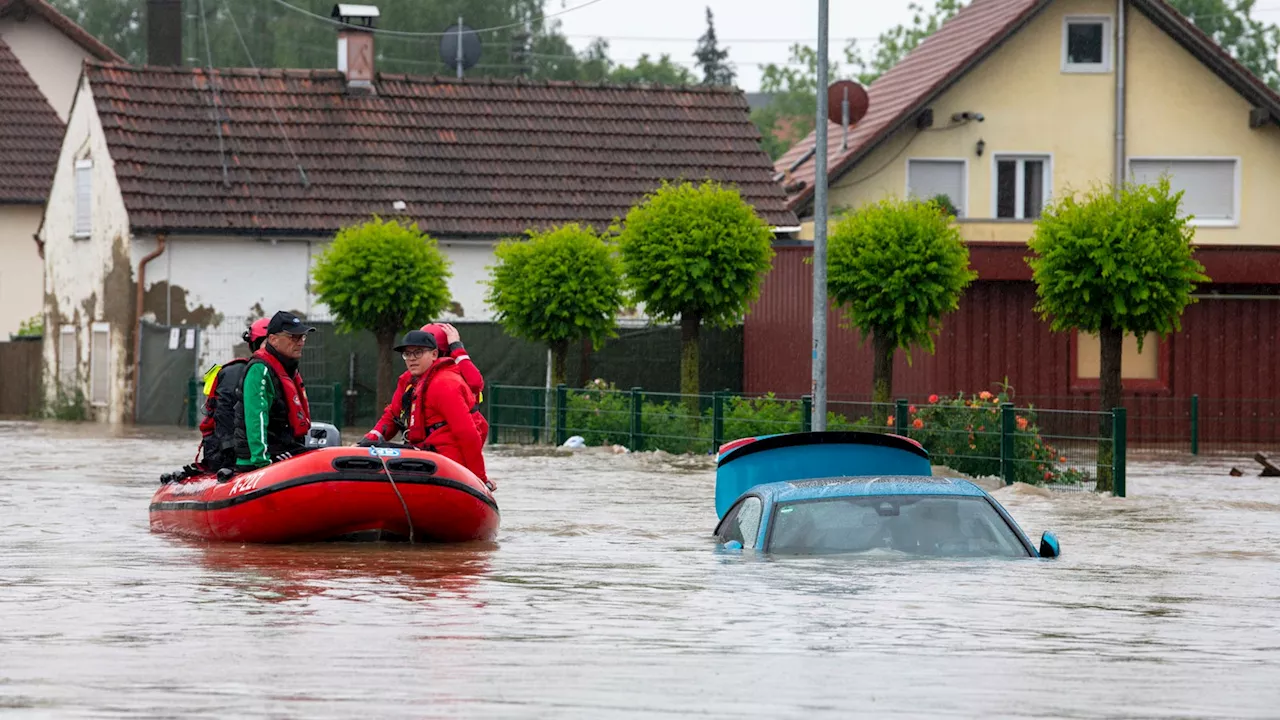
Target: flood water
[604,597]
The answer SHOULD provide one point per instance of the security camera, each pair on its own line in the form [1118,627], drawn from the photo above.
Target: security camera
[979,117]
[966,116]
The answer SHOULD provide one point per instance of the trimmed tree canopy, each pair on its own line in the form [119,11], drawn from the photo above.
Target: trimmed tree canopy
[383,277]
[896,267]
[1124,262]
[558,286]
[698,249]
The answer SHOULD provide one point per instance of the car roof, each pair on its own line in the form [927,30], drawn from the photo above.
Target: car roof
[835,487]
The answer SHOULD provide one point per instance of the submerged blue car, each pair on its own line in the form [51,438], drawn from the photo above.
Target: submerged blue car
[854,492]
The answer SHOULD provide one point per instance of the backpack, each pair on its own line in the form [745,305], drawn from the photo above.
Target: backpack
[217,429]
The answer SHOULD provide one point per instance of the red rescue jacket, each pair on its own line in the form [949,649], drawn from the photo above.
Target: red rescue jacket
[444,417]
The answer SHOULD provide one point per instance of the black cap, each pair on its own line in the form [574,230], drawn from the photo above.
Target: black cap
[417,338]
[288,323]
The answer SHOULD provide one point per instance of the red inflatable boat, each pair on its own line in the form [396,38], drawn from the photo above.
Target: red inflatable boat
[334,493]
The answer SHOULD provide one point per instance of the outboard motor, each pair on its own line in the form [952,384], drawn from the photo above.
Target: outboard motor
[323,435]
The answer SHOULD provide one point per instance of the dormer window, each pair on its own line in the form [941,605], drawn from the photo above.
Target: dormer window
[1086,44]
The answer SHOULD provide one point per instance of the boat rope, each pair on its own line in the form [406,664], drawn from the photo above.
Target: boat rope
[407,517]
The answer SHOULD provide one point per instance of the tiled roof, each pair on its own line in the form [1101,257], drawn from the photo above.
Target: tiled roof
[30,134]
[895,96]
[959,45]
[467,157]
[50,14]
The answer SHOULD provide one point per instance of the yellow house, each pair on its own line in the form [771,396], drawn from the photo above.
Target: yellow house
[1012,103]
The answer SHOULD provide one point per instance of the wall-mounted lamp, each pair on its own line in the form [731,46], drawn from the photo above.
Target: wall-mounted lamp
[982,144]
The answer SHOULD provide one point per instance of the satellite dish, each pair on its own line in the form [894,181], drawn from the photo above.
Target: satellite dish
[842,91]
[459,47]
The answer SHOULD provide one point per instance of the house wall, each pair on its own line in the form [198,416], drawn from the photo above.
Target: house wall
[88,280]
[217,282]
[1175,107]
[21,273]
[51,59]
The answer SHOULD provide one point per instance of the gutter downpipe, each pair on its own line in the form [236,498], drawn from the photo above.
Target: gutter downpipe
[1119,174]
[137,317]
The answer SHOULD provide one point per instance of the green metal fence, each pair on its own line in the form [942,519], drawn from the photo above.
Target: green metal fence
[1060,449]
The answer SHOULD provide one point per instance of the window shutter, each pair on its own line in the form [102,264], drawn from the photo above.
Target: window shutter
[84,198]
[1208,186]
[100,364]
[927,179]
[67,357]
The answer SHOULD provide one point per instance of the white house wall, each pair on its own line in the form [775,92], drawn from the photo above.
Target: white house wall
[21,272]
[471,261]
[218,282]
[88,280]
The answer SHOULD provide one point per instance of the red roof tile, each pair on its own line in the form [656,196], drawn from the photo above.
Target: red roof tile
[31,135]
[959,45]
[468,157]
[68,27]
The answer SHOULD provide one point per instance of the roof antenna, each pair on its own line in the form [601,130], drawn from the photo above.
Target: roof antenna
[217,102]
[459,47]
[306,182]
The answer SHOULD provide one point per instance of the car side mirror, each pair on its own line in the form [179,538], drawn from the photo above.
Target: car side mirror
[732,545]
[1049,547]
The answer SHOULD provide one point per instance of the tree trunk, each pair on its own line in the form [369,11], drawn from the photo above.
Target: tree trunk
[690,323]
[386,367]
[559,361]
[584,367]
[882,371]
[1111,340]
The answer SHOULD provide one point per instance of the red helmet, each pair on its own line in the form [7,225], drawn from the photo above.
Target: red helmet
[438,333]
[257,330]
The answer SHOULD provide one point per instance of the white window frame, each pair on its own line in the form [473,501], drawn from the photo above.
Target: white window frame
[1237,182]
[1107,42]
[77,230]
[95,328]
[1019,204]
[67,344]
[963,203]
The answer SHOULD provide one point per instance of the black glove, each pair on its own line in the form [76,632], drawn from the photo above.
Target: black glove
[366,442]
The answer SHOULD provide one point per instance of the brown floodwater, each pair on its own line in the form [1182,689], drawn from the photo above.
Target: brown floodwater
[604,597]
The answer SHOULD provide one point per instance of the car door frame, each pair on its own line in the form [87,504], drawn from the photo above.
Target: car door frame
[732,515]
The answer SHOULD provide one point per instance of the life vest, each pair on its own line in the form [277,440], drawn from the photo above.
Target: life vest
[421,425]
[289,418]
[218,428]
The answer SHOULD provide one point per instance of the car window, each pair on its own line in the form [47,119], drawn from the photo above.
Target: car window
[742,522]
[937,525]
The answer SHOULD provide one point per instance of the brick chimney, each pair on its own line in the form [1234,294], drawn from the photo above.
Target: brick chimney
[355,45]
[164,32]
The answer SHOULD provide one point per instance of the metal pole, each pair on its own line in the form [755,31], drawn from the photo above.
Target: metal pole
[458,54]
[819,389]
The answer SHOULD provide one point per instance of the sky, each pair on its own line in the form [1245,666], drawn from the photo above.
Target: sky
[781,22]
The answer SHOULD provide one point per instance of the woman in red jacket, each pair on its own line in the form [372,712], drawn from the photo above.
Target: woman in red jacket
[433,407]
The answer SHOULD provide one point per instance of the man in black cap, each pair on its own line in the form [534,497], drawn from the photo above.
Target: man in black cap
[273,415]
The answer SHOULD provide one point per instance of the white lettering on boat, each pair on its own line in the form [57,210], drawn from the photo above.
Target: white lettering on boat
[246,482]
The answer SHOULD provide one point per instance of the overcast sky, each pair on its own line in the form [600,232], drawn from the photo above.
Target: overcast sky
[782,22]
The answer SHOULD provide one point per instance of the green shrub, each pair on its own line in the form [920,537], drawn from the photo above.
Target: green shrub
[963,433]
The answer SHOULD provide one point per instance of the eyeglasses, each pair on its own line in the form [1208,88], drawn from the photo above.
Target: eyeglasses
[296,338]
[413,354]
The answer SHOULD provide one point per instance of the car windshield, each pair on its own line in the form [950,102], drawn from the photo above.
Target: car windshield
[936,525]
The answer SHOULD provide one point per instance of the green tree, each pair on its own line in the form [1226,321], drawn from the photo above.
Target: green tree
[790,114]
[1232,26]
[1114,263]
[697,252]
[895,268]
[713,59]
[383,277]
[662,72]
[557,287]
[895,43]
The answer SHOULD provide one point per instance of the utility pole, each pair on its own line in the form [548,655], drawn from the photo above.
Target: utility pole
[819,387]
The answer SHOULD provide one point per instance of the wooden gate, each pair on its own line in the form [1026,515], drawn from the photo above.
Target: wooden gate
[20,381]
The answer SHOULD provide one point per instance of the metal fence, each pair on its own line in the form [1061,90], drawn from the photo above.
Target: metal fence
[1060,449]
